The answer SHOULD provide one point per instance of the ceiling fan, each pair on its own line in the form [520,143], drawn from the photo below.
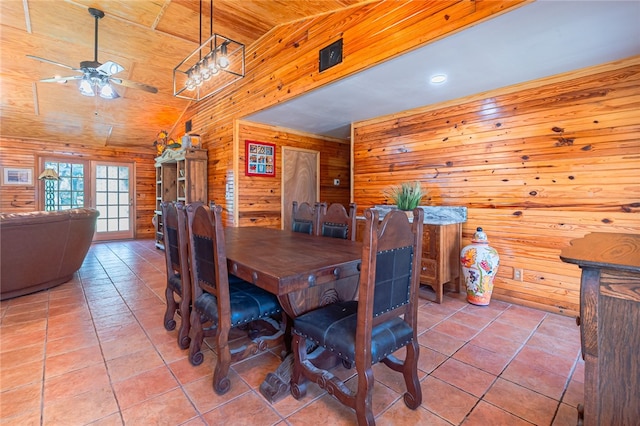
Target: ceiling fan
[96,77]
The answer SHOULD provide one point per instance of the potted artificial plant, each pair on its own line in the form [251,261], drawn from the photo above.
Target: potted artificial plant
[407,196]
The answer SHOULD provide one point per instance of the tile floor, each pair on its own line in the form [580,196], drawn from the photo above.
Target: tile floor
[94,351]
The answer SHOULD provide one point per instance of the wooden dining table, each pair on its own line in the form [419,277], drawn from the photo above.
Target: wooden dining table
[303,271]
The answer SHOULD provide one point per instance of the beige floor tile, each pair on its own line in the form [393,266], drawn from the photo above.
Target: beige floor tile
[146,385]
[81,409]
[75,382]
[202,395]
[170,408]
[445,400]
[20,401]
[522,402]
[464,376]
[485,414]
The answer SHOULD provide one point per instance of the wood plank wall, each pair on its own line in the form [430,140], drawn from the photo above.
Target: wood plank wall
[284,64]
[537,165]
[260,197]
[25,153]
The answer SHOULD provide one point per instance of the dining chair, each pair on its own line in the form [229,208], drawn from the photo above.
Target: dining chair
[335,222]
[371,329]
[304,218]
[178,275]
[224,306]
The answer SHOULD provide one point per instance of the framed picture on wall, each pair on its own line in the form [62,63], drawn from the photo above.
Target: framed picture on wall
[17,176]
[260,159]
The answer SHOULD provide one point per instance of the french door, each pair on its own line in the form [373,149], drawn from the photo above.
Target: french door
[105,186]
[113,197]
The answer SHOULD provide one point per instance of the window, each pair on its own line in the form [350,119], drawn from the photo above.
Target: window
[68,192]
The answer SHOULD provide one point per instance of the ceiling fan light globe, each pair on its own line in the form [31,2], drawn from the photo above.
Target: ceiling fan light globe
[86,88]
[108,92]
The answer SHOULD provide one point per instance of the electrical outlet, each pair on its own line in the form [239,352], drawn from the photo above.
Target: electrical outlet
[517,274]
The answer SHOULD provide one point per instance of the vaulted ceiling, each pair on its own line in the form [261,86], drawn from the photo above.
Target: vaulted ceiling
[148,38]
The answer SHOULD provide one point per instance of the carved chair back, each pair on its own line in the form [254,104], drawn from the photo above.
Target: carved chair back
[304,218]
[335,222]
[219,303]
[369,330]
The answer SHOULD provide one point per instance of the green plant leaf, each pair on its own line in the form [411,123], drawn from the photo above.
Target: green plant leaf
[407,196]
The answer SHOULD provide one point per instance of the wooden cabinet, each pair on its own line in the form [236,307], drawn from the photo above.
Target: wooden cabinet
[440,257]
[609,326]
[182,177]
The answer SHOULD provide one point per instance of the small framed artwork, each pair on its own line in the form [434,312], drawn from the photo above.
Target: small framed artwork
[260,159]
[17,176]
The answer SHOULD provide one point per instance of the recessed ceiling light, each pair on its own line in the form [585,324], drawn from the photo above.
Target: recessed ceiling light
[438,78]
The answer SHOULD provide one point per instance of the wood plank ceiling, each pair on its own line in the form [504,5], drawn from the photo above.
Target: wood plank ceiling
[148,38]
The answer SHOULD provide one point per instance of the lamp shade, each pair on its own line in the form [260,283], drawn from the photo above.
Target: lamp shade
[49,174]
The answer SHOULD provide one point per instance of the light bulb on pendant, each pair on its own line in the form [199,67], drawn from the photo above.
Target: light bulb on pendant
[223,61]
[190,84]
[204,71]
[196,76]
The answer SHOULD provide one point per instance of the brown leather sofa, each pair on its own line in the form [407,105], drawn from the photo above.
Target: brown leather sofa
[40,250]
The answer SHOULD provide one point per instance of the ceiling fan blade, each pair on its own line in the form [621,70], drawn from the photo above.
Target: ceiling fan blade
[110,68]
[60,79]
[134,85]
[37,58]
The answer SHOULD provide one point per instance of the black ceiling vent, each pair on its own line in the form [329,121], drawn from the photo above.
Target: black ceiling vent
[331,55]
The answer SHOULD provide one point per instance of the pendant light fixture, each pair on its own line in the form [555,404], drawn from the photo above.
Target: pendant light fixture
[216,64]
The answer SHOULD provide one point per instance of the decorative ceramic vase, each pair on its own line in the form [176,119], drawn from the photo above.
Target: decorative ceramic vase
[479,267]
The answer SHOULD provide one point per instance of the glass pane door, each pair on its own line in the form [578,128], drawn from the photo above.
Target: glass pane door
[113,197]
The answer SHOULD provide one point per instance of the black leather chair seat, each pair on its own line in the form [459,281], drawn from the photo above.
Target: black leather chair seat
[336,323]
[335,230]
[248,303]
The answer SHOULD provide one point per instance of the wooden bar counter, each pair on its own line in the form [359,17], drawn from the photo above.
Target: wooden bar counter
[609,326]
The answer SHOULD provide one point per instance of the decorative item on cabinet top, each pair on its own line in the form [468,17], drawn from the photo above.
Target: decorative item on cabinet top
[407,195]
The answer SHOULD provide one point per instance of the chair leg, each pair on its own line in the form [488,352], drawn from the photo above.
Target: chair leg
[298,380]
[185,322]
[413,397]
[196,335]
[221,383]
[169,322]
[364,397]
